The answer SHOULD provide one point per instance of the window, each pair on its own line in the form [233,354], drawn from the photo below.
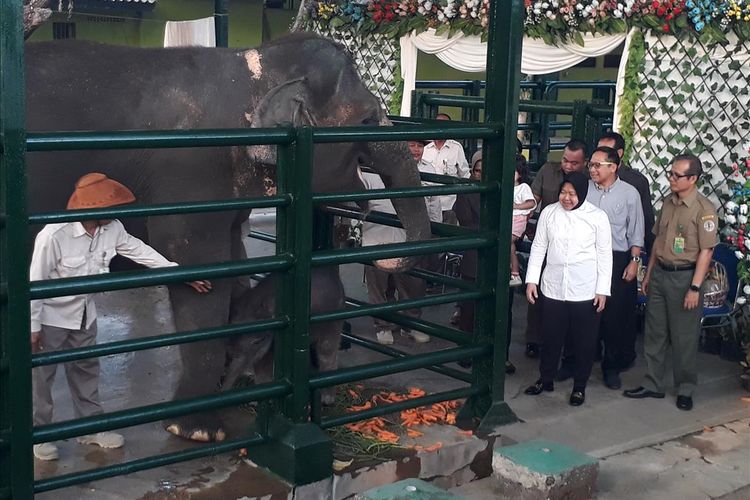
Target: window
[63,30]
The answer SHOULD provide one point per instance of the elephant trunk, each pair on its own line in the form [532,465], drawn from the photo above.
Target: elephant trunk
[397,169]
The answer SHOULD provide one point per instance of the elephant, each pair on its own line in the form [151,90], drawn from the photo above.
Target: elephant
[301,79]
[253,353]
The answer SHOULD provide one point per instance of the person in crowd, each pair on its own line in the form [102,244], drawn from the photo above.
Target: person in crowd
[467,212]
[74,249]
[383,286]
[622,204]
[685,236]
[448,158]
[575,237]
[523,204]
[637,180]
[546,187]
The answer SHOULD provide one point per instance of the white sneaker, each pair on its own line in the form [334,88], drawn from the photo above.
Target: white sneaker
[419,337]
[385,337]
[515,280]
[45,451]
[103,439]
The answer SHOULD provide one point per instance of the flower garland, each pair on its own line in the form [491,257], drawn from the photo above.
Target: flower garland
[736,231]
[554,21]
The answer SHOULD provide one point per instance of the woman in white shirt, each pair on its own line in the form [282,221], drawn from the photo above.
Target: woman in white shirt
[575,237]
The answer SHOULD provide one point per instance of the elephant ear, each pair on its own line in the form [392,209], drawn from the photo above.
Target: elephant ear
[285,104]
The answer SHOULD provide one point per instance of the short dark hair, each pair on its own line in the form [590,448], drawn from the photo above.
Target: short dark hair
[519,146]
[695,167]
[614,136]
[446,115]
[576,145]
[522,168]
[421,141]
[610,152]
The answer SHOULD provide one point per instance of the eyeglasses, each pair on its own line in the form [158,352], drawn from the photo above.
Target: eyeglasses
[677,176]
[598,165]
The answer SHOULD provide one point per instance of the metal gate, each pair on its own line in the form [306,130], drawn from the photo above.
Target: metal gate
[290,431]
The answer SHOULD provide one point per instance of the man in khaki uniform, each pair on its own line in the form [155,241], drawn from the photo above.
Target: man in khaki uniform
[685,236]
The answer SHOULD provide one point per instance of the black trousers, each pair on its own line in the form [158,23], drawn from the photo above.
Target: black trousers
[577,321]
[617,328]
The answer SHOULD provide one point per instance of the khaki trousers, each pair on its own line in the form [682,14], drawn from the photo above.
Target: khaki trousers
[669,323]
[82,375]
[382,288]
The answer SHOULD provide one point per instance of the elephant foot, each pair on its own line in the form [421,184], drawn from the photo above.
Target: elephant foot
[202,429]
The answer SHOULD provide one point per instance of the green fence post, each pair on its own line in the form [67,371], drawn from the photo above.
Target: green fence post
[503,80]
[221,22]
[578,121]
[16,463]
[298,450]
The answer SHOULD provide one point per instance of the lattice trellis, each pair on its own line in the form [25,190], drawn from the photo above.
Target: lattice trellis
[695,99]
[376,57]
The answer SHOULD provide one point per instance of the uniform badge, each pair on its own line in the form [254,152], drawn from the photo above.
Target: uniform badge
[709,225]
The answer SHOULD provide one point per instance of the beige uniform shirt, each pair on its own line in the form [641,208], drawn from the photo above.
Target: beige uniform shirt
[684,228]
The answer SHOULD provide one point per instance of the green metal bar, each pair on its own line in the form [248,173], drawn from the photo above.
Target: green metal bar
[98,474]
[395,353]
[157,210]
[578,127]
[159,411]
[381,410]
[161,276]
[373,370]
[263,236]
[16,462]
[142,139]
[434,329]
[381,194]
[221,22]
[169,339]
[397,306]
[345,256]
[438,228]
[557,107]
[376,133]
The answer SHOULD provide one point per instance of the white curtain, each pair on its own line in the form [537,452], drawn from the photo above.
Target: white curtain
[469,53]
[620,86]
[199,32]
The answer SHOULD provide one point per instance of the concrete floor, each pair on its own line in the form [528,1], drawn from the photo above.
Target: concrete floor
[607,426]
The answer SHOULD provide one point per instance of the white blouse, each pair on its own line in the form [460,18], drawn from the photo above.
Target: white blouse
[578,246]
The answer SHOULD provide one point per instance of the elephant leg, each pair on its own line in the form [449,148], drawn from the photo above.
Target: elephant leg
[237,367]
[203,363]
[326,338]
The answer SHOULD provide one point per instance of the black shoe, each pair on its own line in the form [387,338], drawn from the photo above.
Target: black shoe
[577,398]
[564,373]
[510,368]
[642,392]
[538,387]
[685,403]
[612,380]
[532,350]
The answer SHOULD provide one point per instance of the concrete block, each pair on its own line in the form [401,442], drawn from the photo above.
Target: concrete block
[540,469]
[408,489]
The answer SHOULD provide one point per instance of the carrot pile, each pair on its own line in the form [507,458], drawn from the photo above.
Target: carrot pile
[377,428]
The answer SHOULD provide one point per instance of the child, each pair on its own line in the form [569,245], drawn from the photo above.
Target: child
[523,204]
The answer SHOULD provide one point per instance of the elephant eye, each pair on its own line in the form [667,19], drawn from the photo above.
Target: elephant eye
[370,120]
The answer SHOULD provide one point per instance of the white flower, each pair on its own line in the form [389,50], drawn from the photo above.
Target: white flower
[746,289]
[738,254]
[741,301]
[730,219]
[731,206]
[427,5]
[743,209]
[742,219]
[747,245]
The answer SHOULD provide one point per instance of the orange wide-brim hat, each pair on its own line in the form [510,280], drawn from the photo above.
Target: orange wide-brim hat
[96,190]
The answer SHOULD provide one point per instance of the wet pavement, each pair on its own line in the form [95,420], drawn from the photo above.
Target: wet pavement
[607,425]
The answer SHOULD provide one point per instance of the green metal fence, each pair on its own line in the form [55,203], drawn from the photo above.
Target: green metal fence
[288,431]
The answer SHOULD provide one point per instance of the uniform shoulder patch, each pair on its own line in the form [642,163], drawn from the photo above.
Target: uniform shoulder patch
[709,225]
[708,217]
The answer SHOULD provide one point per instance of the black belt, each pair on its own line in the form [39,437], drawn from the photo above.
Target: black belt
[672,267]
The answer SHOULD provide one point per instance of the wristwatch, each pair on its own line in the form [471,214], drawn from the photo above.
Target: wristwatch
[695,288]
[635,258]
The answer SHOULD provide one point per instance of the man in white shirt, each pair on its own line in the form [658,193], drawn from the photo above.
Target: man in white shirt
[382,286]
[448,158]
[77,249]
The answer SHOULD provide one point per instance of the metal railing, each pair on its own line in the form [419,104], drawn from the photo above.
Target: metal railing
[291,399]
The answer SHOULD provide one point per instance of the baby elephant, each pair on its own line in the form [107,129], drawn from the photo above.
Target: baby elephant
[253,354]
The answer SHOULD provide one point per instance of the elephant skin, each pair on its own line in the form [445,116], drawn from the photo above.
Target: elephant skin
[302,80]
[253,353]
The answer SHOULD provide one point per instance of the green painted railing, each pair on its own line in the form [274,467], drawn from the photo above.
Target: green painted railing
[291,400]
